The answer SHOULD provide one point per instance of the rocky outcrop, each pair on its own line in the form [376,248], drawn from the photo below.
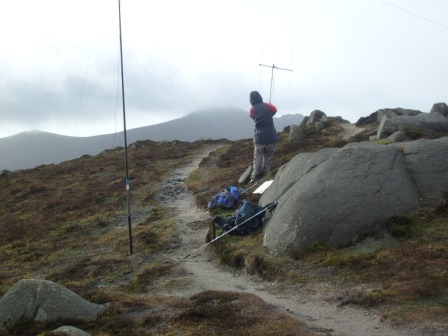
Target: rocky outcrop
[398,119]
[397,112]
[316,116]
[44,301]
[376,117]
[317,120]
[334,196]
[424,122]
[441,108]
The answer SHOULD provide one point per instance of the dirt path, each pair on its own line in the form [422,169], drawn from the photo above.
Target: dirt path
[349,130]
[200,272]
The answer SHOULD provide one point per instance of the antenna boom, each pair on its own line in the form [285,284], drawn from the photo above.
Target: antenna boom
[272,76]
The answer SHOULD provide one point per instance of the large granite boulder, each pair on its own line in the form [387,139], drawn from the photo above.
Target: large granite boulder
[334,196]
[44,301]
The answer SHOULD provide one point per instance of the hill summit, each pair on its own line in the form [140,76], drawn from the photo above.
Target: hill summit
[30,149]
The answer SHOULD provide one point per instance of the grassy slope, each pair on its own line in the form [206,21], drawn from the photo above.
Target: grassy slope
[67,223]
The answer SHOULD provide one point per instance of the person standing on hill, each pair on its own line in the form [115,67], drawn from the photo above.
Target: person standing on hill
[265,135]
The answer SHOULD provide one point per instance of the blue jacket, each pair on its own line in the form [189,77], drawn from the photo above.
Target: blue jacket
[262,113]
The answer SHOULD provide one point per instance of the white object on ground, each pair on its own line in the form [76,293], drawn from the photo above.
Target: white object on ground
[261,189]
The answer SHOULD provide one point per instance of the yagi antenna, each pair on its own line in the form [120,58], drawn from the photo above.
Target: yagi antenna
[272,77]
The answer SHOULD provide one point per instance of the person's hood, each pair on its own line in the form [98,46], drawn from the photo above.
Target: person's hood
[255,98]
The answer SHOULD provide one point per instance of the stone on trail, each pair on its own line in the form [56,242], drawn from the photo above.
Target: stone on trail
[43,301]
[245,176]
[71,331]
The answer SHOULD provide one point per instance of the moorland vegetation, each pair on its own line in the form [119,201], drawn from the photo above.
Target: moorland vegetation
[67,223]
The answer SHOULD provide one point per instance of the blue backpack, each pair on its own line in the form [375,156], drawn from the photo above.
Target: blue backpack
[225,199]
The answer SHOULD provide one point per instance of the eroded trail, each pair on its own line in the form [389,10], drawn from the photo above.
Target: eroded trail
[200,272]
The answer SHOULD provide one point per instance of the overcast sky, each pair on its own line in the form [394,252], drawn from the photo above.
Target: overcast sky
[60,61]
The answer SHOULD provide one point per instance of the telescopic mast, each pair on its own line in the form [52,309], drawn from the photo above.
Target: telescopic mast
[128,198]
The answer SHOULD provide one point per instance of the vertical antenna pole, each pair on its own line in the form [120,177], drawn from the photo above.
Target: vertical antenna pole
[272,77]
[125,137]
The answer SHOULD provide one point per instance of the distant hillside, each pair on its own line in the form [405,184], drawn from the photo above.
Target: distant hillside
[30,149]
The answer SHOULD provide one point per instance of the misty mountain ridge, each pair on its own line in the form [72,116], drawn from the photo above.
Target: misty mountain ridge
[30,149]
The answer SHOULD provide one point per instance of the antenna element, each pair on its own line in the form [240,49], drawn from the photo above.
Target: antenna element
[272,77]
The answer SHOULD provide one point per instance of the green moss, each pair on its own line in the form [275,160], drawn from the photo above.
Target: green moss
[415,133]
[384,141]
